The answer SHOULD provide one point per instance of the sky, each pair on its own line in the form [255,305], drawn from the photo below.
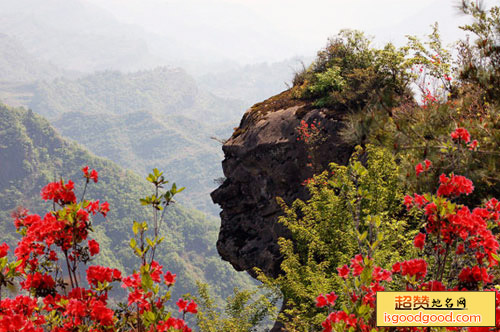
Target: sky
[271,30]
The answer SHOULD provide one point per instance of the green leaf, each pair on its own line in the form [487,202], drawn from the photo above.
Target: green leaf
[135,227]
[149,316]
[133,243]
[146,281]
[151,243]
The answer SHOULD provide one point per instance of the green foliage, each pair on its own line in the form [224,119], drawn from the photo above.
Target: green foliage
[479,60]
[350,75]
[245,311]
[33,154]
[353,209]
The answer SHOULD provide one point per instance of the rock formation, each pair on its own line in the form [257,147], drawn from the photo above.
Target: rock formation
[264,160]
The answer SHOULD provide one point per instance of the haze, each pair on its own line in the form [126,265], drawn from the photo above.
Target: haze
[270,30]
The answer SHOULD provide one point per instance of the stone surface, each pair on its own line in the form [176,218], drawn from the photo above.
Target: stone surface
[264,160]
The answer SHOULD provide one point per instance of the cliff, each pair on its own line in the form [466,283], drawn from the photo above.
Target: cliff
[264,160]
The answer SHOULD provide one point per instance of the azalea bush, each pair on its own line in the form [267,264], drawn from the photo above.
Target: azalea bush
[56,248]
[457,249]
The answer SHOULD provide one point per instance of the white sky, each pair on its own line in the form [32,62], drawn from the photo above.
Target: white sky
[276,29]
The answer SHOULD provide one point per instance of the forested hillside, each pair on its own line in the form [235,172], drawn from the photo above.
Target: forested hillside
[158,118]
[33,154]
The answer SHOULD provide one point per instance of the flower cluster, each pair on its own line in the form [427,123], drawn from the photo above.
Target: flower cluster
[308,133]
[63,235]
[462,135]
[454,185]
[422,167]
[372,278]
[93,175]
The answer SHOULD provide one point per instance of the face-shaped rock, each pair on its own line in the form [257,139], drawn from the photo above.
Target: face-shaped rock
[264,160]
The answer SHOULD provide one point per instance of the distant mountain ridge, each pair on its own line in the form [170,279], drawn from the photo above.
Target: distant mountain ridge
[18,65]
[75,35]
[154,118]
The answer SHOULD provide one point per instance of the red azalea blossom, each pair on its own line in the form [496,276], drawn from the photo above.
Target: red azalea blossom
[59,192]
[192,307]
[408,201]
[461,134]
[419,169]
[4,249]
[454,185]
[104,209]
[93,175]
[182,304]
[343,271]
[414,267]
[419,241]
[169,278]
[93,247]
[473,145]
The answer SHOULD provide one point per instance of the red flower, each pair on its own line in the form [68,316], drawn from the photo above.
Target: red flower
[4,248]
[93,247]
[473,145]
[428,164]
[59,192]
[326,300]
[461,134]
[408,201]
[396,268]
[420,200]
[169,278]
[92,176]
[104,208]
[414,267]
[419,241]
[343,271]
[192,307]
[321,301]
[182,305]
[331,298]
[455,185]
[356,267]
[99,274]
[419,169]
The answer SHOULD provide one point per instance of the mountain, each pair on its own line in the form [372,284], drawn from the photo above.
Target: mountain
[75,35]
[33,154]
[252,83]
[19,69]
[156,118]
[18,65]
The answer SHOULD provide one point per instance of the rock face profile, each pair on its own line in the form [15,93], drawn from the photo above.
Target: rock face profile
[264,160]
